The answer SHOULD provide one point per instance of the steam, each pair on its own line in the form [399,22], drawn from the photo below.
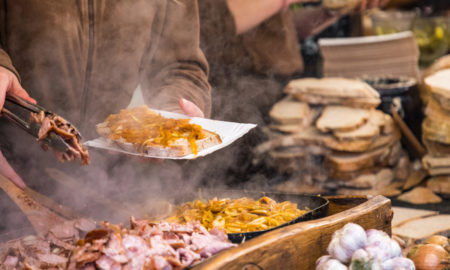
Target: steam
[122,179]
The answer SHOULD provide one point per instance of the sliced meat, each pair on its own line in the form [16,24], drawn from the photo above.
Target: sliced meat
[149,245]
[59,126]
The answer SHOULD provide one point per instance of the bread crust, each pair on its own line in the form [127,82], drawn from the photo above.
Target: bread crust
[179,148]
[438,130]
[334,91]
[372,128]
[289,111]
[342,119]
[354,162]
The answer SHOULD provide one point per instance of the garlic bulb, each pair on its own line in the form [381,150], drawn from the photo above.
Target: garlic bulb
[361,255]
[363,250]
[380,246]
[374,237]
[398,263]
[346,241]
[380,253]
[328,263]
[361,260]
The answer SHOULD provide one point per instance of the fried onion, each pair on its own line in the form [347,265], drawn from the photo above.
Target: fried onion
[238,215]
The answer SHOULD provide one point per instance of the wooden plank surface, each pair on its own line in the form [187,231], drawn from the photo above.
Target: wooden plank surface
[403,215]
[298,246]
[423,227]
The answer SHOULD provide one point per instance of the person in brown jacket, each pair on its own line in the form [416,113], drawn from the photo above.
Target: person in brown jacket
[253,49]
[83,60]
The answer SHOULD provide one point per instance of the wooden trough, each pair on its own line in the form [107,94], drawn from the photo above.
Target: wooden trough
[298,246]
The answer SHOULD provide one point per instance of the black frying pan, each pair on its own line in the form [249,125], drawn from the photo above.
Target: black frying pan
[318,206]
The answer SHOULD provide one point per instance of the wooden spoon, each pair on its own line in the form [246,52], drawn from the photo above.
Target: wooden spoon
[41,218]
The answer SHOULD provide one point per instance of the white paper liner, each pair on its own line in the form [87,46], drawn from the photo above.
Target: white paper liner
[228,132]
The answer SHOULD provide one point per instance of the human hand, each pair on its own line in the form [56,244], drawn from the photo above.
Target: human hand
[301,1]
[190,109]
[286,3]
[7,171]
[369,4]
[9,84]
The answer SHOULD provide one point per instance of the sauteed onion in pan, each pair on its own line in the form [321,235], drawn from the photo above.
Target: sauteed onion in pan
[238,215]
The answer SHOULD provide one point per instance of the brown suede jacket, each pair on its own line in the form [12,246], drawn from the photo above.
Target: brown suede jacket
[82,59]
[270,48]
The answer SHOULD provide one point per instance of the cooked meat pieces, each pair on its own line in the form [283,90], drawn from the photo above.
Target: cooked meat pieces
[62,128]
[32,252]
[49,252]
[145,245]
[148,245]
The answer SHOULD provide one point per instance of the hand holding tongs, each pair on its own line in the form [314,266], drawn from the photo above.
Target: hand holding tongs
[52,140]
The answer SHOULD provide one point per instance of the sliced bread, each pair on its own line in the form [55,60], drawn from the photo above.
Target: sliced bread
[347,162]
[334,91]
[435,162]
[376,123]
[350,176]
[436,149]
[341,119]
[289,111]
[178,148]
[403,215]
[439,86]
[423,227]
[312,136]
[436,129]
[420,195]
[434,110]
[143,131]
[439,184]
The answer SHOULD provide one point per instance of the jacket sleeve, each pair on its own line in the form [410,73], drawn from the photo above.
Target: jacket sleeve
[5,61]
[176,67]
[216,19]
[219,41]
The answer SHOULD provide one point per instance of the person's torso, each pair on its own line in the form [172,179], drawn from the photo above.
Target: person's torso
[80,58]
[271,48]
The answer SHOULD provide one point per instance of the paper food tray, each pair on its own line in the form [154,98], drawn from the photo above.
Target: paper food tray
[228,132]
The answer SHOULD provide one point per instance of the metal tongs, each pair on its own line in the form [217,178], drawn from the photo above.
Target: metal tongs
[52,139]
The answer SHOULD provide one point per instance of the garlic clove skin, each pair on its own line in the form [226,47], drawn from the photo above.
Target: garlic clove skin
[376,265]
[361,255]
[395,249]
[338,252]
[381,247]
[398,263]
[358,236]
[330,264]
[360,260]
[346,241]
[378,253]
[375,237]
[322,260]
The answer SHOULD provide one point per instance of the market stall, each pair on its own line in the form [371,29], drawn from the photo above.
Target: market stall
[349,169]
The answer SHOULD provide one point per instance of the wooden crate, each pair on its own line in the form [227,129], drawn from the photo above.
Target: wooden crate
[298,246]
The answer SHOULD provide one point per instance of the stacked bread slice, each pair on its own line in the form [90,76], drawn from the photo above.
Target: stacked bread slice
[436,130]
[338,138]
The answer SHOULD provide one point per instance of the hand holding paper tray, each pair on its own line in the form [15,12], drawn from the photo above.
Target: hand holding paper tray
[227,131]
